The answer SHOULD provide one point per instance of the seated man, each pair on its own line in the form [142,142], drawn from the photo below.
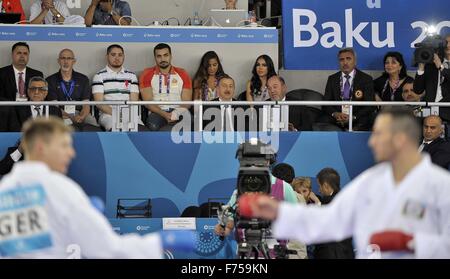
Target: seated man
[114,83]
[69,85]
[108,12]
[224,117]
[165,82]
[48,12]
[433,143]
[37,92]
[349,84]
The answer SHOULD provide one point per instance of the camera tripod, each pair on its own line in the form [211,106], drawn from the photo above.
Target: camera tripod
[252,244]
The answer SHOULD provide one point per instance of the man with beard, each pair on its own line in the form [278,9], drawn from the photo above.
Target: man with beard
[114,83]
[69,85]
[165,82]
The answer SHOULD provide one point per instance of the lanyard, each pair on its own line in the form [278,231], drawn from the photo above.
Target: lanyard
[64,89]
[167,84]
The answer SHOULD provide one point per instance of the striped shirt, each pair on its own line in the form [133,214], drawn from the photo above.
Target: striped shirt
[116,86]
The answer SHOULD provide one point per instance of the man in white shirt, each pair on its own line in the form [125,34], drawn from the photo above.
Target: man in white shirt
[48,12]
[43,212]
[434,80]
[399,208]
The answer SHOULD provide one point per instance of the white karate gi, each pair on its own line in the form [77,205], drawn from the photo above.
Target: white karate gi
[371,203]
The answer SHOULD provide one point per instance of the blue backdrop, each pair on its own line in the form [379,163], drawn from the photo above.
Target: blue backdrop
[175,176]
[318,28]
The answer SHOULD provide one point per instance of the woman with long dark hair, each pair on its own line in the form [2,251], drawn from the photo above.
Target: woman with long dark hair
[263,69]
[207,76]
[388,87]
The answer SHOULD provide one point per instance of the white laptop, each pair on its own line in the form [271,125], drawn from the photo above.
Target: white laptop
[228,18]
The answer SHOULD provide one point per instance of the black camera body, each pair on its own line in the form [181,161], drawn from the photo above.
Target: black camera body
[426,49]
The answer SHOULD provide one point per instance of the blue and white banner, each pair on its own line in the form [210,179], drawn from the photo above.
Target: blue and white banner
[138,35]
[314,30]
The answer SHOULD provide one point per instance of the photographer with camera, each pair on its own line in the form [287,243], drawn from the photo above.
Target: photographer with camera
[254,176]
[433,73]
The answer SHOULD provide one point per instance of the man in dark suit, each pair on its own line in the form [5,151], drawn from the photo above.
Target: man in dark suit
[37,92]
[349,84]
[434,79]
[433,143]
[224,117]
[14,78]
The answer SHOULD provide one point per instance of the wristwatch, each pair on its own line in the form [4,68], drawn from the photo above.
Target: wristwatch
[58,15]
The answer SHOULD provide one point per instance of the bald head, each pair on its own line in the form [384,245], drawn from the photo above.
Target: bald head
[432,128]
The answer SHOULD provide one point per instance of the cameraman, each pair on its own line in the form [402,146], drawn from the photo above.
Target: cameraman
[288,195]
[434,79]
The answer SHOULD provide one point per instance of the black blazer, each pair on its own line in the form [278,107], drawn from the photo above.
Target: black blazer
[439,151]
[362,85]
[428,82]
[334,250]
[237,126]
[8,120]
[8,88]
[7,162]
[385,93]
[24,113]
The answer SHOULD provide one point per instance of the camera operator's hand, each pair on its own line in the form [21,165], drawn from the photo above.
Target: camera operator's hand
[221,231]
[437,61]
[421,67]
[253,205]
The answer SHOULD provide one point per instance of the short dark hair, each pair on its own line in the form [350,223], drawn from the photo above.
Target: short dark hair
[109,49]
[225,76]
[161,46]
[331,177]
[284,172]
[19,44]
[403,120]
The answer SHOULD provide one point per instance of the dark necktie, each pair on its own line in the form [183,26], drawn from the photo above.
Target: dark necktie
[38,111]
[347,87]
[21,86]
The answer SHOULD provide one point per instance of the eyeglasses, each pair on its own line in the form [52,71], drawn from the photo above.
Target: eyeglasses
[39,89]
[67,58]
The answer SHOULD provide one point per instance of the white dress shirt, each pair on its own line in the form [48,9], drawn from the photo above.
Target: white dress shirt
[351,79]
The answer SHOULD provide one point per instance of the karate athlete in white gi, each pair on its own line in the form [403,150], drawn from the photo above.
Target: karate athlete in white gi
[44,214]
[399,208]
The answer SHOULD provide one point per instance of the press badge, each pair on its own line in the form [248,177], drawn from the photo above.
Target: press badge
[346,109]
[24,224]
[434,110]
[414,209]
[70,110]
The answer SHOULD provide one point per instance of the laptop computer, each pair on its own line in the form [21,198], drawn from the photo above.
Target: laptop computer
[228,18]
[10,18]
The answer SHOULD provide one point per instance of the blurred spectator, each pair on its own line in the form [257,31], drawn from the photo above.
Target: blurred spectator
[284,172]
[349,84]
[302,185]
[299,183]
[329,186]
[433,142]
[230,4]
[108,12]
[388,87]
[48,12]
[69,85]
[165,82]
[114,83]
[408,94]
[434,80]
[12,7]
[262,71]
[207,77]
